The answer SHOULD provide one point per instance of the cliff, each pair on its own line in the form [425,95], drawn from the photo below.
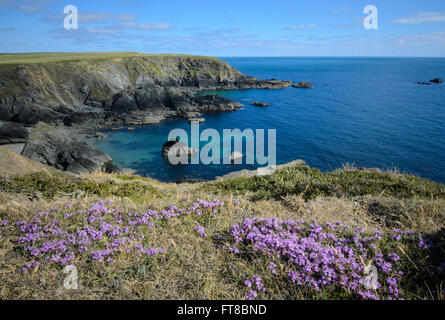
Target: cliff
[115,88]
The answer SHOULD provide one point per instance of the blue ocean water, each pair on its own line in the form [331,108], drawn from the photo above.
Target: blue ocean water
[366,111]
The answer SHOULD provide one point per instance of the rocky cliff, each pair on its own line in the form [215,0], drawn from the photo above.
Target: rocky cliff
[101,91]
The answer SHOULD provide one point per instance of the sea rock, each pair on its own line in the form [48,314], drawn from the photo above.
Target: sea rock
[177,148]
[100,135]
[54,147]
[196,120]
[303,85]
[12,132]
[260,104]
[236,156]
[437,80]
[192,114]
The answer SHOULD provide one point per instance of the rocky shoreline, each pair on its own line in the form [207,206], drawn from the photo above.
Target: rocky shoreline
[54,107]
[127,91]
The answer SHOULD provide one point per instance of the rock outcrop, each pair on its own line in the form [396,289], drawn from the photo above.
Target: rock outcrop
[436,80]
[260,104]
[12,132]
[138,90]
[176,148]
[303,85]
[53,147]
[196,120]
[236,156]
[261,171]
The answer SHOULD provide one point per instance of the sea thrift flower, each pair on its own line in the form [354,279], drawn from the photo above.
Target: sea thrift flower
[424,244]
[273,267]
[100,232]
[321,257]
[201,231]
[251,295]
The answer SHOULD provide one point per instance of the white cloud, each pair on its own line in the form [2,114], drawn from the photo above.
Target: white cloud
[340,10]
[302,27]
[347,26]
[218,33]
[422,17]
[87,17]
[423,39]
[145,26]
[26,6]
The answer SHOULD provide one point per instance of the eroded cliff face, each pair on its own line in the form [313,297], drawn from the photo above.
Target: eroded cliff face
[128,90]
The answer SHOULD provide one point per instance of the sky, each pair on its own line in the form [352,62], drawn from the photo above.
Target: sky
[226,28]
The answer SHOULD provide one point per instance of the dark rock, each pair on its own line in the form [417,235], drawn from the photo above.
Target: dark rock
[110,167]
[260,104]
[54,147]
[177,148]
[124,102]
[437,80]
[303,85]
[12,132]
[31,114]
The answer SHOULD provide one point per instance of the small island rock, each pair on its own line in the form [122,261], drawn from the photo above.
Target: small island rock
[235,156]
[303,85]
[260,104]
[437,80]
[177,148]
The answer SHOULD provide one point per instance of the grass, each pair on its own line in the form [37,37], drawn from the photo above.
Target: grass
[311,183]
[50,185]
[32,58]
[195,267]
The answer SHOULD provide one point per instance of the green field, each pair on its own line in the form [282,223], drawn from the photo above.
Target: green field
[25,58]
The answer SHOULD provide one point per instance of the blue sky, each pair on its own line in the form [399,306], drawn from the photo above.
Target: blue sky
[227,28]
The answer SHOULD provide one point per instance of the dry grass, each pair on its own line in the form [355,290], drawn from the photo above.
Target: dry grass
[192,267]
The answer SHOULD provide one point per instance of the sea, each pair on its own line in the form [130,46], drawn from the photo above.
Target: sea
[366,112]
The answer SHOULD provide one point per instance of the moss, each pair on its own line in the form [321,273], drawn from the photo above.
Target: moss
[191,74]
[12,90]
[99,94]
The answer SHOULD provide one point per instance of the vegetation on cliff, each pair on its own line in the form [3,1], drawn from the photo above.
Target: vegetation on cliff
[260,237]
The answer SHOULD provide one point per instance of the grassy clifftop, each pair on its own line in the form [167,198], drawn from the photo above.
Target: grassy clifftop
[297,234]
[31,58]
[53,86]
[58,77]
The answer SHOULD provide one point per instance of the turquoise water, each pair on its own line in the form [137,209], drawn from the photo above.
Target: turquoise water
[366,111]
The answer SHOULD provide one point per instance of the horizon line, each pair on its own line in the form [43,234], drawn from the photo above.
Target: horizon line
[232,56]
